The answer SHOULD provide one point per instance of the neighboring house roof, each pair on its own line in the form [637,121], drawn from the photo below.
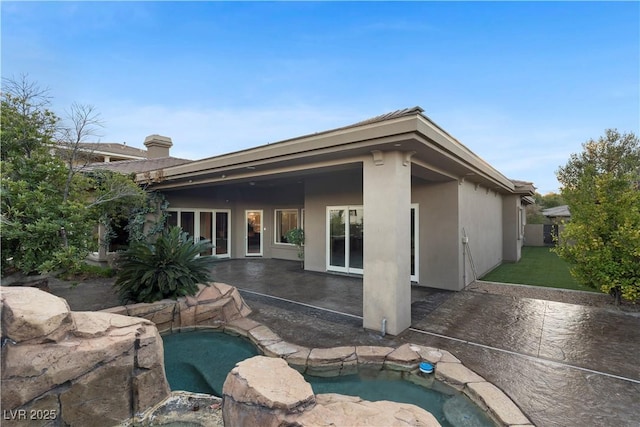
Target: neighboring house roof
[137,166]
[114,149]
[434,154]
[557,211]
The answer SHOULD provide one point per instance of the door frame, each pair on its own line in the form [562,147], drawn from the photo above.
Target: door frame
[346,269]
[246,233]
[415,277]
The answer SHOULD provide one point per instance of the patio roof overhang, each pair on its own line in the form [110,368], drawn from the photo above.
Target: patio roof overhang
[433,153]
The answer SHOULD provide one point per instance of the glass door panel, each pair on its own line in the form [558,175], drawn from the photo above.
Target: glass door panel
[172,218]
[222,234]
[356,238]
[415,229]
[187,222]
[337,243]
[345,239]
[254,233]
[206,230]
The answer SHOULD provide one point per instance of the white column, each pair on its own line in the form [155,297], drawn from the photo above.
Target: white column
[387,228]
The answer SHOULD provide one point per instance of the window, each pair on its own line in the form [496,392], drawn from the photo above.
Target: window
[286,219]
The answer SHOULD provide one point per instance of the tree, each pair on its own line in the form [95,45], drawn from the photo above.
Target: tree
[48,210]
[601,185]
[534,211]
[27,123]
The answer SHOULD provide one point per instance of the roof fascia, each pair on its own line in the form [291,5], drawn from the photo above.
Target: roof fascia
[222,178]
[300,146]
[455,149]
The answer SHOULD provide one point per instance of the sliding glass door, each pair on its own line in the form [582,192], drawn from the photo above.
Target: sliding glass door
[345,239]
[204,224]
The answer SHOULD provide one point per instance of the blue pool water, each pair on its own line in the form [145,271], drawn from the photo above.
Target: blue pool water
[199,361]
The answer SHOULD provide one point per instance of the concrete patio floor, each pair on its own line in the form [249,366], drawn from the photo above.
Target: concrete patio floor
[563,364]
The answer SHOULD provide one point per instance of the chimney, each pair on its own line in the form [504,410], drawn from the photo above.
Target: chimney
[157,146]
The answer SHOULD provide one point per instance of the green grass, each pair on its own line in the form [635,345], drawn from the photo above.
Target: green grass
[538,267]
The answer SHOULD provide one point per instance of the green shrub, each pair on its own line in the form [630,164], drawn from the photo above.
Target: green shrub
[296,237]
[169,268]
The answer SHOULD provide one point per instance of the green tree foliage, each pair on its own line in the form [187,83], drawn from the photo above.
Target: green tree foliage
[27,124]
[296,237]
[549,200]
[602,188]
[168,268]
[48,215]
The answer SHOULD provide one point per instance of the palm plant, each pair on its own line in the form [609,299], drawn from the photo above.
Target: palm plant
[168,268]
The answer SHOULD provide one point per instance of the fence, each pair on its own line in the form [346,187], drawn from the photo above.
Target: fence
[541,234]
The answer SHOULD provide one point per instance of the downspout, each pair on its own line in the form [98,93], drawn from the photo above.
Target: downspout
[383,331]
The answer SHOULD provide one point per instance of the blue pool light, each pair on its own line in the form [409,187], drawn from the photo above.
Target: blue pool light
[426,367]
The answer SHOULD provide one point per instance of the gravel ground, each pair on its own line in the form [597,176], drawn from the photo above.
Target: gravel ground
[592,299]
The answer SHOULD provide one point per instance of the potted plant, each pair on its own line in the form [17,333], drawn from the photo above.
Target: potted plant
[296,237]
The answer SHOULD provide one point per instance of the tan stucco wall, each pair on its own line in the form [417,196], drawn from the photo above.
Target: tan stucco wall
[481,217]
[512,238]
[439,250]
[334,189]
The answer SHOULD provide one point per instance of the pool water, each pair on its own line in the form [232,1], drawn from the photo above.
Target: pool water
[199,362]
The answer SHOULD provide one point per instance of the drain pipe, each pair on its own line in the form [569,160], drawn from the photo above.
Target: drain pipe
[384,326]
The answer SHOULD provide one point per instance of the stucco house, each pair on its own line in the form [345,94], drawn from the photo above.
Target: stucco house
[395,199]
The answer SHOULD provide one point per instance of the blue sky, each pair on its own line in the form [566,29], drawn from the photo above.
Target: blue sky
[523,85]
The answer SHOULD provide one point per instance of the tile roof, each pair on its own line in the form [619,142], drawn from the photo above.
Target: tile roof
[114,148]
[562,210]
[137,166]
[389,116]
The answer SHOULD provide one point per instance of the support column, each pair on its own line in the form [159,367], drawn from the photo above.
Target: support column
[387,228]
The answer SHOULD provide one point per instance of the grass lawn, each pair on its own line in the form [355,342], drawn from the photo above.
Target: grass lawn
[539,267]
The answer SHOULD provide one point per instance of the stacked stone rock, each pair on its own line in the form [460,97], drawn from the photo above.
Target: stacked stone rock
[265,391]
[75,368]
[214,304]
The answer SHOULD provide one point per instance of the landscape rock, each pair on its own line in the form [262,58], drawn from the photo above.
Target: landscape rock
[267,392]
[32,314]
[490,397]
[215,304]
[262,391]
[329,362]
[456,374]
[339,410]
[100,369]
[403,358]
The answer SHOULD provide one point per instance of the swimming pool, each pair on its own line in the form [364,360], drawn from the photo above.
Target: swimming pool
[199,361]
